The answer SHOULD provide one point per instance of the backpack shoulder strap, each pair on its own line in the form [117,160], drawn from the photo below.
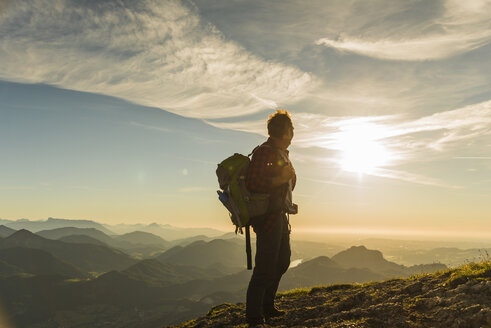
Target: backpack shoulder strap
[257,147]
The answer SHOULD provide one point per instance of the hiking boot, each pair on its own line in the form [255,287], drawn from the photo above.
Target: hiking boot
[273,313]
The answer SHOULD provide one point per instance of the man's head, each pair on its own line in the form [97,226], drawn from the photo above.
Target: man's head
[280,128]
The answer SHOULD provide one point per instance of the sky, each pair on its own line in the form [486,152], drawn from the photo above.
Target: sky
[119,111]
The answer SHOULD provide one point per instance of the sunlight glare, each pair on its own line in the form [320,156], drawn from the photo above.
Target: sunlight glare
[361,148]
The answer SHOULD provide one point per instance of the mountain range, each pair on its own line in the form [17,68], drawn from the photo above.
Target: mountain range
[88,257]
[91,279]
[52,223]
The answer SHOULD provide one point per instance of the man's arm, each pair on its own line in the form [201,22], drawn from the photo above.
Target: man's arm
[287,173]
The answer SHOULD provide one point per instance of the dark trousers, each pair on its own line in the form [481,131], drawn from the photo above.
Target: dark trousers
[271,262]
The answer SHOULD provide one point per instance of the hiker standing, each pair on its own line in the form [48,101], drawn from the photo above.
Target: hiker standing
[271,171]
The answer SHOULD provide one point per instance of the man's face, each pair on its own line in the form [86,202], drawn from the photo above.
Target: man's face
[287,137]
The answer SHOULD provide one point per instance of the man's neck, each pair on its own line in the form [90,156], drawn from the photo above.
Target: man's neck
[277,143]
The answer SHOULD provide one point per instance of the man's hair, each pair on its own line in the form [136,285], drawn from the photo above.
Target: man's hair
[279,122]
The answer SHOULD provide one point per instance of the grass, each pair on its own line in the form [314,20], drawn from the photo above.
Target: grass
[479,270]
[295,292]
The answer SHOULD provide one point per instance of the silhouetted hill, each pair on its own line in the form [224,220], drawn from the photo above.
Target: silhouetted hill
[7,269]
[189,240]
[201,288]
[361,257]
[81,239]
[138,244]
[165,231]
[5,231]
[162,274]
[38,262]
[205,254]
[231,236]
[452,298]
[321,271]
[52,223]
[112,300]
[85,256]
[67,231]
[143,238]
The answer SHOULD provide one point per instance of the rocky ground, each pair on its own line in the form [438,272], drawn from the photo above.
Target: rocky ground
[453,298]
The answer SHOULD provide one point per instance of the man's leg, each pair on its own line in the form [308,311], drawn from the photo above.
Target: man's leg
[281,267]
[268,244]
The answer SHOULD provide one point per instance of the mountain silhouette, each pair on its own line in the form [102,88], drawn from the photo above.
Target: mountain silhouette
[361,257]
[166,231]
[90,258]
[321,271]
[7,269]
[137,243]
[226,253]
[163,274]
[67,231]
[81,239]
[38,262]
[52,223]
[5,231]
[143,238]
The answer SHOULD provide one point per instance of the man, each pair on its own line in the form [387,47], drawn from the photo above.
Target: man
[271,171]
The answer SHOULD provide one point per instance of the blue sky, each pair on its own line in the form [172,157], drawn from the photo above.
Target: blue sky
[139,100]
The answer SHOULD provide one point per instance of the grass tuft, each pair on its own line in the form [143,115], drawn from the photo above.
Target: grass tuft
[479,270]
[295,292]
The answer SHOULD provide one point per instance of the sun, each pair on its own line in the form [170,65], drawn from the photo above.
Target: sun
[362,150]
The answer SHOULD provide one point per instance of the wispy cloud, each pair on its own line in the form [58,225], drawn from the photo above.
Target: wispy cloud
[150,127]
[150,52]
[413,178]
[258,126]
[463,26]
[408,140]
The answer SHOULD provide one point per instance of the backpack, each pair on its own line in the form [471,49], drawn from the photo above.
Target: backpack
[241,204]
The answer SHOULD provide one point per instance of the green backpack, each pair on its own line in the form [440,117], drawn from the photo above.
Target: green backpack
[241,204]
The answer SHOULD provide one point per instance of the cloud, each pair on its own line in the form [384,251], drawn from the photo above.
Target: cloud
[153,53]
[413,178]
[462,27]
[433,137]
[427,48]
[257,127]
[150,127]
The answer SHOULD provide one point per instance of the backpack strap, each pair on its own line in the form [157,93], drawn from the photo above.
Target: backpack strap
[248,247]
[258,146]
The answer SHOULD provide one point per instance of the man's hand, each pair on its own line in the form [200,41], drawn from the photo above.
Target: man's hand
[287,173]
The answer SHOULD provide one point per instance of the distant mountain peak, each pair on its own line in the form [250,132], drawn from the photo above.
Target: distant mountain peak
[360,251]
[22,233]
[361,257]
[361,247]
[22,237]
[6,231]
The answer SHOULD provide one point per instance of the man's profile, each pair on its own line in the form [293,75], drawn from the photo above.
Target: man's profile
[271,171]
